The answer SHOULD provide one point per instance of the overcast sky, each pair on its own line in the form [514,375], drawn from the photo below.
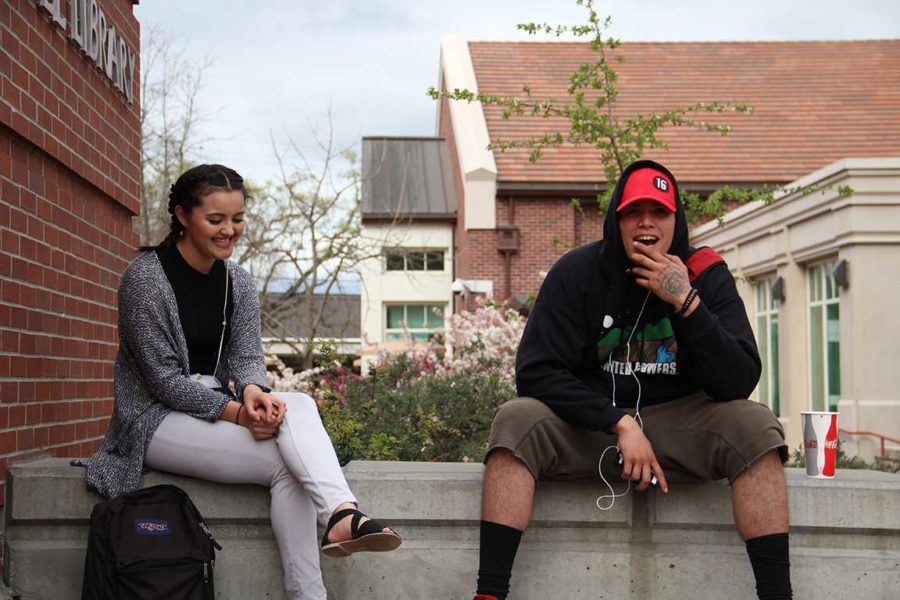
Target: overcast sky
[279,64]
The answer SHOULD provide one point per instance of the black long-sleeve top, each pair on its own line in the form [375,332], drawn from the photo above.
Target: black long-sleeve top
[200,298]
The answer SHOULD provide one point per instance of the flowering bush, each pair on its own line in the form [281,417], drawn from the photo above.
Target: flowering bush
[285,379]
[485,341]
[417,361]
[428,402]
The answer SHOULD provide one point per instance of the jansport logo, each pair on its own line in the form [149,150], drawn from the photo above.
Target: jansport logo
[152,527]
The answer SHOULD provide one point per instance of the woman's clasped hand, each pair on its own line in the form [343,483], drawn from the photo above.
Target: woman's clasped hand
[262,413]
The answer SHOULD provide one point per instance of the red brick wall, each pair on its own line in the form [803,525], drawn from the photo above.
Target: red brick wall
[588,224]
[69,186]
[481,258]
[548,226]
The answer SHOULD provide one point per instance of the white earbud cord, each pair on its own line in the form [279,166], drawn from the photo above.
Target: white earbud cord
[224,322]
[612,495]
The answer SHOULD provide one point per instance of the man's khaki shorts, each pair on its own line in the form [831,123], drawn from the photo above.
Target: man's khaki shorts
[694,438]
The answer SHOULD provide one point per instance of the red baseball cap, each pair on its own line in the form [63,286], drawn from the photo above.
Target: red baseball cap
[648,184]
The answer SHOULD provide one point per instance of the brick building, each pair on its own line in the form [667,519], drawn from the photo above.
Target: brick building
[70,173]
[814,103]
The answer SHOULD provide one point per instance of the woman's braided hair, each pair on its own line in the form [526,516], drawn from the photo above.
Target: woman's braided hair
[190,187]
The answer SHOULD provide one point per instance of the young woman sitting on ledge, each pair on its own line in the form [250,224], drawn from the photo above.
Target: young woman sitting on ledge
[189,325]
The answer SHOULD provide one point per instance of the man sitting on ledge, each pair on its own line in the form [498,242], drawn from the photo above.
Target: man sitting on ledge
[635,362]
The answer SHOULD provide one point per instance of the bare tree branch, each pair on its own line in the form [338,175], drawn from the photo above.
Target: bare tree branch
[170,121]
[304,238]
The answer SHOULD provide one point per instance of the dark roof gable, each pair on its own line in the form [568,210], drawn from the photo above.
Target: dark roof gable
[406,177]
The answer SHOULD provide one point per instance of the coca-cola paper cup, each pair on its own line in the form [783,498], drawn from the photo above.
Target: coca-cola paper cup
[820,443]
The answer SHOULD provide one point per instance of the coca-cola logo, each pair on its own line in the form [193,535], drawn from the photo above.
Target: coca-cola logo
[814,444]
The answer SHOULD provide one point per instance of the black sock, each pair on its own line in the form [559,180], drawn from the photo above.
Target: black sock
[769,557]
[499,544]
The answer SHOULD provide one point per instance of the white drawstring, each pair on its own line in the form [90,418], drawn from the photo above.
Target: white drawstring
[612,495]
[224,323]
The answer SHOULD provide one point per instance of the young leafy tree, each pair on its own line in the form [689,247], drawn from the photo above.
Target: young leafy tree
[594,118]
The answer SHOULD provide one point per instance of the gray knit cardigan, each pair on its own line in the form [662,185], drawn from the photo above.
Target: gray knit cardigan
[151,375]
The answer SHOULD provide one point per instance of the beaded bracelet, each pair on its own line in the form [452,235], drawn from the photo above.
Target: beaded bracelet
[687,302]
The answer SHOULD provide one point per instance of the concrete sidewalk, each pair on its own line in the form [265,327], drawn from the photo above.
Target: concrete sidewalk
[845,537]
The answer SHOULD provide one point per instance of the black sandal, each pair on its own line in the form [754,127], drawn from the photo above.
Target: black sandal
[366,538]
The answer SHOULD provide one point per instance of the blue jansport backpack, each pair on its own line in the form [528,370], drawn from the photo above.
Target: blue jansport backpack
[150,544]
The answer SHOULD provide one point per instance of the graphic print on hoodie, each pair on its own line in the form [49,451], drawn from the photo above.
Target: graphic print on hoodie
[653,350]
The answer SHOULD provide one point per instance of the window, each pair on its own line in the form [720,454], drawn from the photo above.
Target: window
[425,260]
[422,321]
[395,262]
[767,338]
[824,338]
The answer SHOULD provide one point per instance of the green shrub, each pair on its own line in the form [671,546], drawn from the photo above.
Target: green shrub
[392,416]
[429,402]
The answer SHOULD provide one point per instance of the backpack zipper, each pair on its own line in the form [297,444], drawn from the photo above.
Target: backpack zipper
[209,533]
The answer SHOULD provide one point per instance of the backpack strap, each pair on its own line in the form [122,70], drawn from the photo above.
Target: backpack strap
[700,261]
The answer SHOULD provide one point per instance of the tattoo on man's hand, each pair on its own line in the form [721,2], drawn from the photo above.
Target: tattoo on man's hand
[673,282]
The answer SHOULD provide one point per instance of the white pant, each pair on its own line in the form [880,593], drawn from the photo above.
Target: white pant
[299,466]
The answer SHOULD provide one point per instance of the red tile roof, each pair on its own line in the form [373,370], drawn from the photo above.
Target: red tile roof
[814,103]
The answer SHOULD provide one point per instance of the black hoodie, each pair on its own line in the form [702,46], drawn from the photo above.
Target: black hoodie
[573,350]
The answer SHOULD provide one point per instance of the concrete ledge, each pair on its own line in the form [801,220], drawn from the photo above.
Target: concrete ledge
[845,537]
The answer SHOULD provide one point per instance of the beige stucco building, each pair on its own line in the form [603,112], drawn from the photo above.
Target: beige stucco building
[393,294]
[819,273]
[408,213]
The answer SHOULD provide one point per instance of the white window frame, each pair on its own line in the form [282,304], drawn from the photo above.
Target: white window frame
[765,315]
[405,252]
[823,271]
[431,331]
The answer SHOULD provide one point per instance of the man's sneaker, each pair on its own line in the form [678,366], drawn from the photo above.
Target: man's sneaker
[485,597]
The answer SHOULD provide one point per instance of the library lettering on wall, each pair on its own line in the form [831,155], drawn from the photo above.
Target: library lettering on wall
[87,26]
